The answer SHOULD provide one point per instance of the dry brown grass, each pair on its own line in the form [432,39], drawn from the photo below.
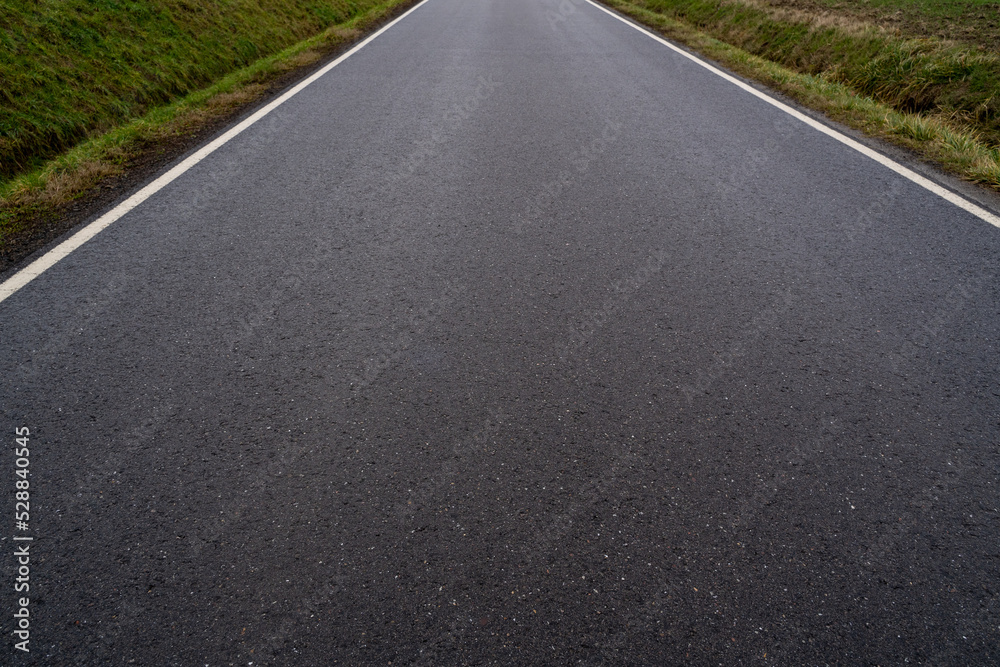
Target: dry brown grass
[817,17]
[304,59]
[349,34]
[216,107]
[62,187]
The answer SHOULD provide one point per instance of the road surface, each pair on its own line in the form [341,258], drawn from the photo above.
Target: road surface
[516,338]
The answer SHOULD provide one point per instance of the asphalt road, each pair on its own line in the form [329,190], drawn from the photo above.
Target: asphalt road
[517,338]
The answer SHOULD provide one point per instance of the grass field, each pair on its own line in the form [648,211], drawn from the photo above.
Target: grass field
[975,22]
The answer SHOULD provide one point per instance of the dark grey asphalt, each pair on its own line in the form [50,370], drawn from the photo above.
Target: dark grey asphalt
[516,339]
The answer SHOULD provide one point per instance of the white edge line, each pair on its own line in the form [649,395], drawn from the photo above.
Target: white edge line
[49,259]
[923,182]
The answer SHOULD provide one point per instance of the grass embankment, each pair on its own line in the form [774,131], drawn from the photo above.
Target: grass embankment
[936,96]
[89,87]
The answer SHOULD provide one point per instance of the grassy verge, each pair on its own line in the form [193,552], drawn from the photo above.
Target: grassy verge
[107,138]
[936,97]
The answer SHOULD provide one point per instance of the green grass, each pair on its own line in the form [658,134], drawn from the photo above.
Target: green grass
[113,82]
[70,69]
[937,97]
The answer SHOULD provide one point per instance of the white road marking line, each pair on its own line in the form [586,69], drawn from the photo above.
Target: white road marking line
[49,259]
[923,182]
